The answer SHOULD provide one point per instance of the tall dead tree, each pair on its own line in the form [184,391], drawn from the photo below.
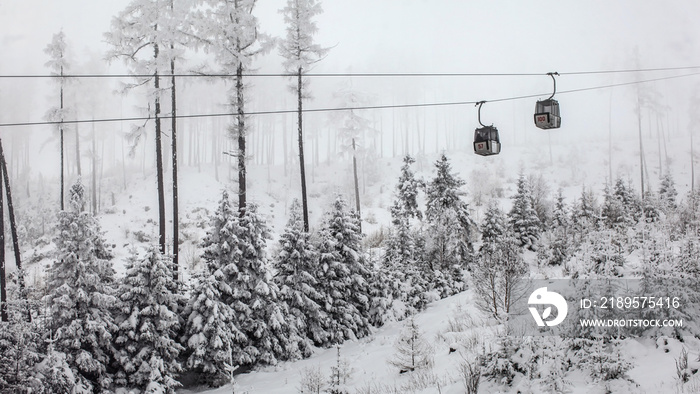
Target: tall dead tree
[58,66]
[300,54]
[228,29]
[141,26]
[13,230]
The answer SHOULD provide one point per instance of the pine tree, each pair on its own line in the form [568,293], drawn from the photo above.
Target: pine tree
[522,217]
[630,201]
[297,268]
[80,294]
[494,226]
[407,190]
[585,215]
[412,350]
[210,332]
[344,276]
[449,244]
[667,192]
[613,213]
[20,354]
[147,351]
[300,53]
[255,297]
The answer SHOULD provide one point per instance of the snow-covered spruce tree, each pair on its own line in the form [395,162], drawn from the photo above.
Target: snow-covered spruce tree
[494,226]
[448,244]
[259,313]
[630,201]
[210,332]
[667,192]
[343,275]
[407,189]
[613,213]
[561,244]
[585,215]
[80,294]
[20,353]
[300,54]
[220,243]
[403,257]
[522,217]
[412,351]
[297,269]
[147,349]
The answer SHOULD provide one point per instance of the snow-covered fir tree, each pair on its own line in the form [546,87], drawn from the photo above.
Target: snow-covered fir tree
[296,266]
[235,254]
[80,294]
[412,350]
[494,226]
[585,214]
[450,228]
[614,214]
[255,297]
[522,217]
[407,189]
[344,275]
[561,244]
[19,355]
[220,242]
[210,332]
[147,349]
[667,192]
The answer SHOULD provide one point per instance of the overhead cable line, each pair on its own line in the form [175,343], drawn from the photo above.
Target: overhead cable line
[334,109]
[377,74]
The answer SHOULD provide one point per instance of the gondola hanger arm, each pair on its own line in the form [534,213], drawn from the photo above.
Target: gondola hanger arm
[479,104]
[552,74]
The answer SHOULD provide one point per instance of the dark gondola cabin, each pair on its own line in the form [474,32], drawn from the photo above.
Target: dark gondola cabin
[486,141]
[547,114]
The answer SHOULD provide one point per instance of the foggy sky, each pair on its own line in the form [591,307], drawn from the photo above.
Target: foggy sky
[420,36]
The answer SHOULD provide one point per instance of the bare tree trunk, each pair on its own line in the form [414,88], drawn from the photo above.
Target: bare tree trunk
[159,162]
[3,284]
[304,202]
[692,162]
[641,147]
[240,130]
[94,172]
[357,187]
[60,131]
[173,152]
[77,151]
[13,230]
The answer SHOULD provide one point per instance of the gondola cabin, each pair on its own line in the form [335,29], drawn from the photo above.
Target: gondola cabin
[486,141]
[547,114]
